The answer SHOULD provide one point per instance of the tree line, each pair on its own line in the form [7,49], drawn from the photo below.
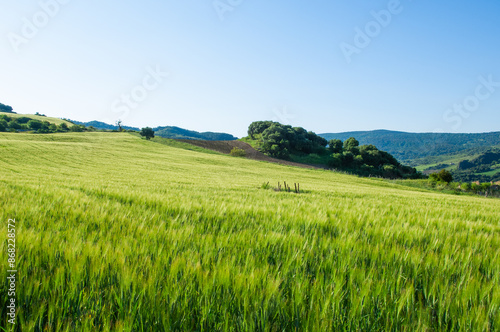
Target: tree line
[280,141]
[284,141]
[12,124]
[6,108]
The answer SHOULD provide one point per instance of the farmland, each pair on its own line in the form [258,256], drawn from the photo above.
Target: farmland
[56,121]
[119,233]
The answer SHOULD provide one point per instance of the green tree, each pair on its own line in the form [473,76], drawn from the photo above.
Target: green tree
[45,127]
[5,108]
[63,127]
[442,176]
[15,125]
[258,127]
[23,119]
[358,161]
[275,140]
[318,142]
[35,124]
[336,160]
[77,128]
[335,146]
[351,144]
[3,125]
[5,117]
[347,159]
[147,132]
[390,171]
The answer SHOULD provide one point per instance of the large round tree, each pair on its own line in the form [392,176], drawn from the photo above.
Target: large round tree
[148,133]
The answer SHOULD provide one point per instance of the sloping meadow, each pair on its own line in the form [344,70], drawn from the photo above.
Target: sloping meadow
[118,233]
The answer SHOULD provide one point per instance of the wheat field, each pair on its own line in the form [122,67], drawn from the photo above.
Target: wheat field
[115,233]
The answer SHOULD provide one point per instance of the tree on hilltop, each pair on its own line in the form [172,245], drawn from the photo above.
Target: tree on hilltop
[148,133]
[258,127]
[6,108]
[119,125]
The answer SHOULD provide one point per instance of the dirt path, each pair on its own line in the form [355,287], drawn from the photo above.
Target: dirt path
[226,147]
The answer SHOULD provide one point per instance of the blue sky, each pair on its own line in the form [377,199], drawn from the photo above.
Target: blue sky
[209,65]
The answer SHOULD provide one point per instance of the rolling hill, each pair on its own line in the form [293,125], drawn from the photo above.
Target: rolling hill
[415,149]
[166,132]
[117,233]
[56,121]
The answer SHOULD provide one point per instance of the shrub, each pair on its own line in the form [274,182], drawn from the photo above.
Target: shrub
[475,187]
[358,161]
[77,128]
[14,125]
[237,152]
[442,176]
[24,119]
[35,124]
[347,158]
[265,185]
[336,160]
[63,127]
[5,117]
[390,171]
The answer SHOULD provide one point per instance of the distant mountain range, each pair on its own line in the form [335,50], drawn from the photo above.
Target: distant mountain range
[411,146]
[167,132]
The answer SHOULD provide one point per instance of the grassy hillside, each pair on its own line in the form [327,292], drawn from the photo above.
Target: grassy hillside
[179,133]
[38,117]
[166,132]
[417,149]
[482,171]
[118,233]
[451,161]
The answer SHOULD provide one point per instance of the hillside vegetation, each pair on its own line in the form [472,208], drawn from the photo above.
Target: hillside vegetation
[118,233]
[416,149]
[165,131]
[471,167]
[299,145]
[485,167]
[40,118]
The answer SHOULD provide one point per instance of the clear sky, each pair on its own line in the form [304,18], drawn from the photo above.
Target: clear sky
[326,65]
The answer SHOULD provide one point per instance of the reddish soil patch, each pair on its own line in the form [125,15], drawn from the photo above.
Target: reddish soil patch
[226,147]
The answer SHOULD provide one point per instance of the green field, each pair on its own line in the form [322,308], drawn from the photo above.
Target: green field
[491,173]
[56,121]
[118,233]
[451,160]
